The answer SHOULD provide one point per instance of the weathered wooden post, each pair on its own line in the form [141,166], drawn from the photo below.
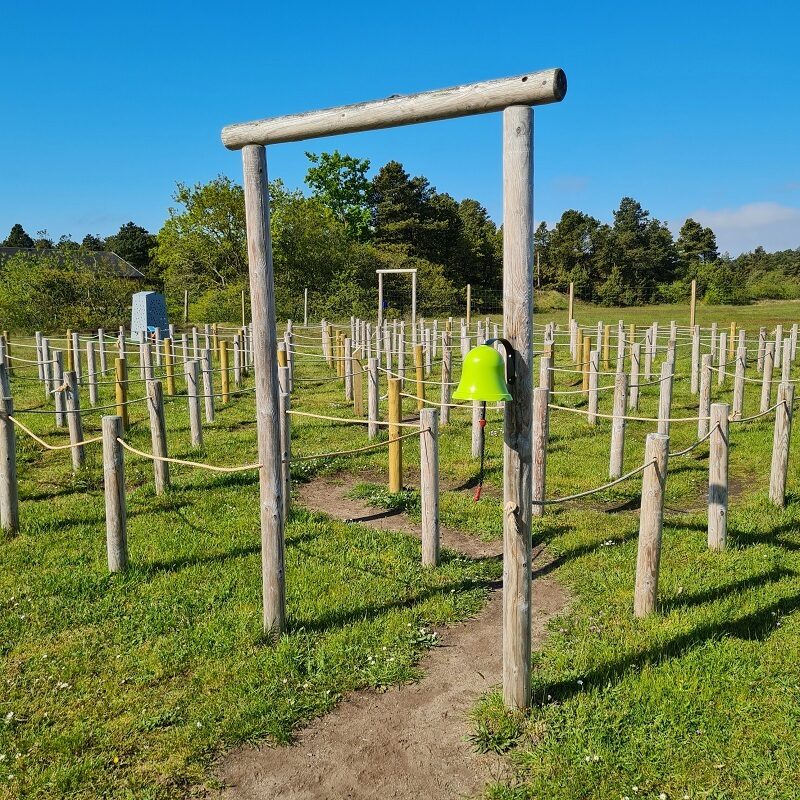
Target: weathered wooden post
[358,384]
[58,386]
[348,369]
[738,382]
[76,356]
[237,361]
[541,433]
[648,354]
[778,351]
[618,425]
[223,371]
[147,361]
[262,298]
[545,372]
[158,434]
[114,488]
[429,484]
[606,346]
[395,447]
[585,357]
[636,358]
[447,357]
[91,371]
[373,397]
[594,364]
[9,497]
[762,343]
[101,350]
[193,393]
[208,384]
[704,405]
[121,390]
[651,517]
[469,304]
[665,397]
[695,358]
[722,358]
[766,378]
[418,369]
[718,477]
[780,444]
[786,360]
[169,366]
[74,422]
[692,308]
[285,397]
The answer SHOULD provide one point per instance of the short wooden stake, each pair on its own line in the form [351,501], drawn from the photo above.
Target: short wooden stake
[114,487]
[224,373]
[58,387]
[429,485]
[618,425]
[285,403]
[121,390]
[208,384]
[780,444]
[651,518]
[158,434]
[704,405]
[766,379]
[193,394]
[169,366]
[419,369]
[665,397]
[74,421]
[373,397]
[594,363]
[585,355]
[541,433]
[91,372]
[76,356]
[237,361]
[738,382]
[718,477]
[348,370]
[695,367]
[395,447]
[636,358]
[762,343]
[9,497]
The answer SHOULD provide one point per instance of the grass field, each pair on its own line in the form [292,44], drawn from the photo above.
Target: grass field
[129,686]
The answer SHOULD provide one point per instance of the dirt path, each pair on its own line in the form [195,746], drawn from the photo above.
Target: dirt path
[409,742]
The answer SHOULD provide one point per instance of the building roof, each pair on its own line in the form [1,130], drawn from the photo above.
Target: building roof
[90,258]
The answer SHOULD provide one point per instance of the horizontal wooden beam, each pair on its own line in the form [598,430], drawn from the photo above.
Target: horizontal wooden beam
[531,89]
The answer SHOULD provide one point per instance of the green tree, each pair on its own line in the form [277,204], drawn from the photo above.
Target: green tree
[482,247]
[398,208]
[340,182]
[696,243]
[133,243]
[18,238]
[93,243]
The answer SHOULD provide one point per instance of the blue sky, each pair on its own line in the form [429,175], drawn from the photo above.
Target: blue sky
[692,108]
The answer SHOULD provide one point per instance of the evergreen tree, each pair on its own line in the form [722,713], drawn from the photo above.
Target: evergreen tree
[18,238]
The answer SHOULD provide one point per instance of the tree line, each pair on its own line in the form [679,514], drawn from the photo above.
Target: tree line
[332,237]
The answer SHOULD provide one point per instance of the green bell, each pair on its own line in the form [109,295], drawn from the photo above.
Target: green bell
[483,376]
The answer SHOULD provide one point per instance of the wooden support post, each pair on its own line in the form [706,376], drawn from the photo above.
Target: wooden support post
[447,360]
[766,379]
[76,356]
[114,488]
[714,339]
[762,343]
[718,477]
[738,382]
[620,347]
[585,356]
[429,485]
[373,397]
[704,405]
[47,367]
[185,306]
[358,384]
[9,497]
[648,354]
[101,350]
[147,361]
[262,298]
[732,342]
[469,304]
[224,371]
[208,384]
[419,368]
[478,431]
[636,357]
[121,390]
[606,346]
[286,439]
[693,304]
[193,393]
[541,433]
[91,371]
[594,364]
[695,367]
[778,352]
[58,387]
[158,434]
[305,308]
[517,438]
[780,444]
[618,425]
[169,366]
[651,517]
[74,421]
[237,361]
[348,369]
[70,352]
[786,360]
[545,372]
[288,338]
[665,398]
[395,447]
[722,358]
[215,340]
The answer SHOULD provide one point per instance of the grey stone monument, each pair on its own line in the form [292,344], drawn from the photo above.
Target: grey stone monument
[148,312]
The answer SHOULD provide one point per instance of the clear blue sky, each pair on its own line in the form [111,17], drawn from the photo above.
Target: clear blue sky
[692,108]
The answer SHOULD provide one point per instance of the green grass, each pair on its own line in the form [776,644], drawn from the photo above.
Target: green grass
[129,686]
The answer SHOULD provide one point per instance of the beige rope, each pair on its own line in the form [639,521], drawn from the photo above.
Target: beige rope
[762,414]
[358,449]
[633,419]
[47,446]
[594,491]
[351,421]
[696,444]
[210,467]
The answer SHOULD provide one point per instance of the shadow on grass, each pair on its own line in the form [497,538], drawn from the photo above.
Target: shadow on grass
[578,552]
[751,627]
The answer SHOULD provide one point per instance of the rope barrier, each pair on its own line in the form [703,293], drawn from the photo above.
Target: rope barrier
[596,490]
[631,419]
[47,446]
[696,444]
[210,467]
[359,449]
[294,413]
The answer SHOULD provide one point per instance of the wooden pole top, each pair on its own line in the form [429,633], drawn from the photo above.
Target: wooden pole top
[530,89]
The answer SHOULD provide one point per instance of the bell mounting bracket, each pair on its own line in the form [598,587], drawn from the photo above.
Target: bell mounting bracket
[510,370]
